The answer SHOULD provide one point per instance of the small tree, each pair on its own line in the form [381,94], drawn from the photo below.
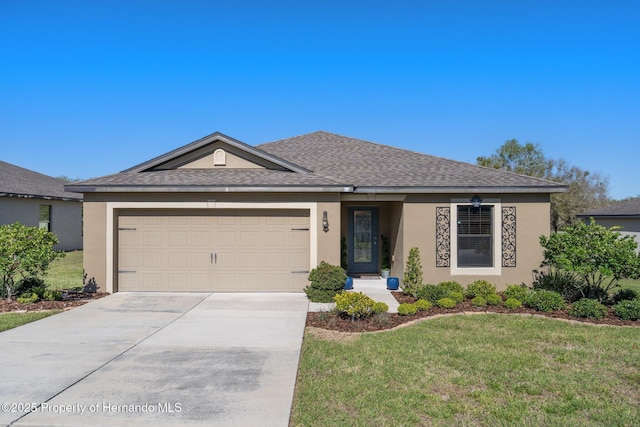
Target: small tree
[599,256]
[24,252]
[412,273]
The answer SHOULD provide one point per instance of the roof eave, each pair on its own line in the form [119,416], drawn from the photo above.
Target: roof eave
[216,136]
[460,189]
[41,197]
[213,189]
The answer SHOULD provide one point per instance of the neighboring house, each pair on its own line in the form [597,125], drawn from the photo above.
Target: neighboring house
[624,214]
[34,199]
[220,215]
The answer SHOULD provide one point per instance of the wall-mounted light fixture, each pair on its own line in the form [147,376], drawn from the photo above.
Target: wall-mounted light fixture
[476,201]
[325,222]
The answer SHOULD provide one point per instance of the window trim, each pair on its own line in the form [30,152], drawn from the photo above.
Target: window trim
[48,222]
[496,270]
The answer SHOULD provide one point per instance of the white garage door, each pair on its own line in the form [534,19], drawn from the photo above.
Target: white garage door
[223,250]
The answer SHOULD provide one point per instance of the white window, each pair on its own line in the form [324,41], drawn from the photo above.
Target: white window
[475,238]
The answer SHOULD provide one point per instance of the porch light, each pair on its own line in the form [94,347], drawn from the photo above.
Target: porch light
[325,222]
[476,201]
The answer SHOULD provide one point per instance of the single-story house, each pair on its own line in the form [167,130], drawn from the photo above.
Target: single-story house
[220,215]
[625,214]
[34,199]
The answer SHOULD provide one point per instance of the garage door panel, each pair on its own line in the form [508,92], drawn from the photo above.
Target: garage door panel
[225,250]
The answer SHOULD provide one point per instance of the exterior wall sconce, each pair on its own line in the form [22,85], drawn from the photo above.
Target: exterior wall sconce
[476,201]
[325,222]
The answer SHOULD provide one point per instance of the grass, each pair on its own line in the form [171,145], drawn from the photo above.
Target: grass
[631,284]
[13,320]
[482,370]
[65,273]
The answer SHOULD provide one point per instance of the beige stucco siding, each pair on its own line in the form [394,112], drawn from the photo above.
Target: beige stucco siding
[95,242]
[532,220]
[102,210]
[66,218]
[329,242]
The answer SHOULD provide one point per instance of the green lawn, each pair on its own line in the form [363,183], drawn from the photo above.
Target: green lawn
[65,273]
[13,320]
[631,284]
[483,370]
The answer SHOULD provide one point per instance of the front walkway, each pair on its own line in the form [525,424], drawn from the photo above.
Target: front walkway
[374,288]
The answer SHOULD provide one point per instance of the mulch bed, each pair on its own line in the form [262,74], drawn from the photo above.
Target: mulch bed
[70,299]
[372,324]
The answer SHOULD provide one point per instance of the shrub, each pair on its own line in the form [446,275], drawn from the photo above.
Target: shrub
[423,305]
[451,286]
[627,309]
[354,304]
[458,297]
[446,303]
[568,284]
[512,303]
[30,285]
[480,288]
[28,298]
[326,281]
[52,295]
[381,319]
[380,307]
[588,308]
[624,294]
[412,278]
[494,299]
[518,292]
[431,293]
[543,300]
[601,256]
[479,301]
[407,309]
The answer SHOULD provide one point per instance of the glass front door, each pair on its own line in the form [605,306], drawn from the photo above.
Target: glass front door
[363,240]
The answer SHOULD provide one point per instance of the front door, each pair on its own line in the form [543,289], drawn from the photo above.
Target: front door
[362,245]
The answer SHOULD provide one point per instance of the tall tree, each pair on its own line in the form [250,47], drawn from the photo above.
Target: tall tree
[586,190]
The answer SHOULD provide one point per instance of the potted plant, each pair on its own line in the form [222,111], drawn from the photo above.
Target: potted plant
[385,265]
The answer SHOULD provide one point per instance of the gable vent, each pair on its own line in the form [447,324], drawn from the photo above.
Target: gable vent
[219,157]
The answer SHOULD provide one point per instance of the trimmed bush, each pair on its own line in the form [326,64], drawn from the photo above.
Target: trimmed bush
[412,278]
[588,308]
[627,309]
[446,303]
[494,299]
[326,282]
[380,307]
[30,285]
[407,309]
[566,283]
[543,300]
[479,301]
[480,288]
[28,298]
[52,295]
[518,292]
[513,303]
[431,293]
[451,286]
[458,297]
[423,305]
[354,304]
[624,295]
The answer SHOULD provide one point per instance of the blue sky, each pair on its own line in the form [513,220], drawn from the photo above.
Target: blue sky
[89,88]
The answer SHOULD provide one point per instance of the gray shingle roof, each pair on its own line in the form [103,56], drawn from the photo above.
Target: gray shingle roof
[322,161]
[209,178]
[627,208]
[366,164]
[20,182]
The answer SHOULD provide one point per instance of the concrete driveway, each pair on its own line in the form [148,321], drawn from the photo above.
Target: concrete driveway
[156,359]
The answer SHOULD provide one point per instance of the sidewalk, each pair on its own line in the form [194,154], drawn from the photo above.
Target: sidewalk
[374,288]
